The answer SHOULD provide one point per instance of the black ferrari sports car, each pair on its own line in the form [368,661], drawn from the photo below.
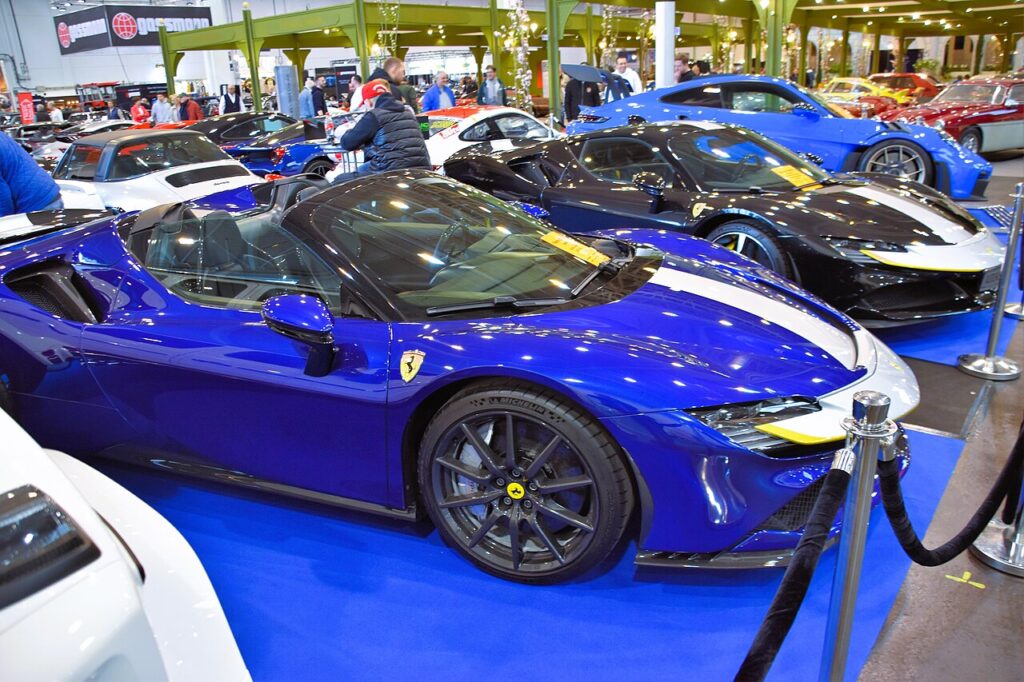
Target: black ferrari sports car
[883,249]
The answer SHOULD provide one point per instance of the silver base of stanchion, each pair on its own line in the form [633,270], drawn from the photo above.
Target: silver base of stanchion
[993,368]
[995,548]
[1015,310]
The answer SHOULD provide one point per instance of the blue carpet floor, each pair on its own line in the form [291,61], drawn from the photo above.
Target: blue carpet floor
[317,594]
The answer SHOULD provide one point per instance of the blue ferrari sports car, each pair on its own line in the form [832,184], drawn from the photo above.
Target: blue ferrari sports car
[299,148]
[797,118]
[403,343]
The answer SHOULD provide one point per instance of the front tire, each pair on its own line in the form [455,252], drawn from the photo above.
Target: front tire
[523,483]
[902,158]
[750,239]
[971,140]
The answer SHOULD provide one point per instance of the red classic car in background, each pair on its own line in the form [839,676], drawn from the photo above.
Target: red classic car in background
[920,86]
[982,114]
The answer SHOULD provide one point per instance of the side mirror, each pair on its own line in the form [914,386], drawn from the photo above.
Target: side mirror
[806,110]
[653,185]
[307,320]
[813,158]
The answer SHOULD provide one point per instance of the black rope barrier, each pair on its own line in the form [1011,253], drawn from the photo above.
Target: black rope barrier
[797,579]
[1006,484]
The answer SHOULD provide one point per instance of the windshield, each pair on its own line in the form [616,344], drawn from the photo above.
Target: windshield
[971,92]
[161,153]
[833,109]
[733,159]
[431,242]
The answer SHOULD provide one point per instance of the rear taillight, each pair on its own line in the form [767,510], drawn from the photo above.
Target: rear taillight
[277,154]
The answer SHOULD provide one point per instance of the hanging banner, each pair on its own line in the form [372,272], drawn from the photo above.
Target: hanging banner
[124,26]
[26,107]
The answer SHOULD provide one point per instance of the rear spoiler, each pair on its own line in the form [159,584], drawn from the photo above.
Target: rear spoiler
[23,226]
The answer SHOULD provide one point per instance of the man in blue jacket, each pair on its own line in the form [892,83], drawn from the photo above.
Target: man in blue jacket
[24,186]
[439,96]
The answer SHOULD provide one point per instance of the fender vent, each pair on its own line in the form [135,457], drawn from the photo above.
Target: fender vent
[55,287]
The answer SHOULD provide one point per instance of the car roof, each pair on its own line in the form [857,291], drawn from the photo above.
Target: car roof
[735,78]
[988,80]
[132,135]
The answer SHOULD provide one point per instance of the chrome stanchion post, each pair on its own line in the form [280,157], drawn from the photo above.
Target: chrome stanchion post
[991,366]
[866,431]
[1001,546]
[1016,310]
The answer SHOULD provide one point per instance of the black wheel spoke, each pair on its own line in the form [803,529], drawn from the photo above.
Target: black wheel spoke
[485,527]
[461,468]
[557,485]
[555,510]
[483,449]
[548,541]
[513,539]
[542,458]
[471,499]
[510,442]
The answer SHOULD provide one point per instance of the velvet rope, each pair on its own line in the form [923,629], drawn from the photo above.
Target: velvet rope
[1006,484]
[795,582]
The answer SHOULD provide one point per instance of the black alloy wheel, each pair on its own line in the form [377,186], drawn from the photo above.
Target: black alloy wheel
[971,140]
[319,167]
[902,158]
[749,239]
[523,484]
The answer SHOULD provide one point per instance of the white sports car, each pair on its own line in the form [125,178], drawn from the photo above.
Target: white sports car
[459,127]
[48,154]
[94,584]
[130,170]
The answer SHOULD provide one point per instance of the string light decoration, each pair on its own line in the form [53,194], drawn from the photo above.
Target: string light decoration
[609,35]
[645,34]
[516,34]
[791,49]
[387,34]
[725,38]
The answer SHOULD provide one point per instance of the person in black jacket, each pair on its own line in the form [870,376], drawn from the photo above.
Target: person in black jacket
[579,94]
[392,71]
[319,101]
[388,134]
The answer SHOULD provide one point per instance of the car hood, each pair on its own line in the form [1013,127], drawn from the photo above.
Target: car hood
[901,214]
[700,329]
[930,112]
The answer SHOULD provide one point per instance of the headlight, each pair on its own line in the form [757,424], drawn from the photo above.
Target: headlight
[853,249]
[39,544]
[739,422]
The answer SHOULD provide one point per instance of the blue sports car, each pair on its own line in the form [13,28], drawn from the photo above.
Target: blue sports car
[299,148]
[404,343]
[797,118]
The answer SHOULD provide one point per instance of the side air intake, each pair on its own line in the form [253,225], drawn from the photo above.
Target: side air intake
[55,287]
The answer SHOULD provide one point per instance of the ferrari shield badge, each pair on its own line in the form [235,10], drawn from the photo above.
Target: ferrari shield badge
[412,360]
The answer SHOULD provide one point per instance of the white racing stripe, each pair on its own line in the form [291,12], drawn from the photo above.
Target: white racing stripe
[14,225]
[949,230]
[981,252]
[815,330]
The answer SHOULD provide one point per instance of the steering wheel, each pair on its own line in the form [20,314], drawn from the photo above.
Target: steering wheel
[742,163]
[453,242]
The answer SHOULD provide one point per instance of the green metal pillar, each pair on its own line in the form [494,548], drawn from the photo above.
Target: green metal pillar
[844,50]
[478,54]
[591,37]
[1009,40]
[748,43]
[171,60]
[874,64]
[556,14]
[979,53]
[360,41]
[252,56]
[494,41]
[805,36]
[297,56]
[774,15]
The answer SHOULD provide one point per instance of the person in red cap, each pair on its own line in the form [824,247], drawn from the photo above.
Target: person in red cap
[388,133]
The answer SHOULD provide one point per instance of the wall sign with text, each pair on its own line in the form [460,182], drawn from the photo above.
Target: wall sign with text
[124,26]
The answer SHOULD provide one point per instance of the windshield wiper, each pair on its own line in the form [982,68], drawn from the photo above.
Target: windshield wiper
[496,302]
[611,267]
[826,182]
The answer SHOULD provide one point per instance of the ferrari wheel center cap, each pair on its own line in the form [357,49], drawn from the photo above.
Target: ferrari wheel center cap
[515,490]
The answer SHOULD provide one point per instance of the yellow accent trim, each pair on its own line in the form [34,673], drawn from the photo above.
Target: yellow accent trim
[796,436]
[886,261]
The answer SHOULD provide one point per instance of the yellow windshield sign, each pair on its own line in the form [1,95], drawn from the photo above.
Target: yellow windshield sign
[564,242]
[795,177]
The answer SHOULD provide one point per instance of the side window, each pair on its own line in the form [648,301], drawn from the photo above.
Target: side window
[477,133]
[80,163]
[243,131]
[272,124]
[208,261]
[763,99]
[709,96]
[840,87]
[619,159]
[1016,94]
[516,127]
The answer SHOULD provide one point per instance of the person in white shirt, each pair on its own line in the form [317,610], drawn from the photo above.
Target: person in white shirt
[631,76]
[163,111]
[56,114]
[355,90]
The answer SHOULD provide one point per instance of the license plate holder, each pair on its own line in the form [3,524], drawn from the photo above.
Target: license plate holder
[989,279]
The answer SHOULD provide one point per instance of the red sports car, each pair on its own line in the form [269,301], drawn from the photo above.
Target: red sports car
[982,114]
[918,85]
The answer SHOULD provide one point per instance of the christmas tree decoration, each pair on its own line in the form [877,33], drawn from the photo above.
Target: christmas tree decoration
[387,35]
[516,39]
